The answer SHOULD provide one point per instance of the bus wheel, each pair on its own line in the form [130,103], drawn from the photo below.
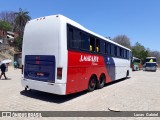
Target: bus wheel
[92,84]
[127,74]
[101,81]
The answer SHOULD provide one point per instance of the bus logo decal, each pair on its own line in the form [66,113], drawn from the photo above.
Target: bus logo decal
[89,58]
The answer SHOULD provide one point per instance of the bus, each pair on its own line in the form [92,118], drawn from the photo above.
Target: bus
[62,57]
[136,64]
[150,64]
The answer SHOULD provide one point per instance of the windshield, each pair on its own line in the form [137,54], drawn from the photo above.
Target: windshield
[150,64]
[150,59]
[137,60]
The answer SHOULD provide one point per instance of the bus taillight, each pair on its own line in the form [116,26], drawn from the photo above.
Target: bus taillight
[59,73]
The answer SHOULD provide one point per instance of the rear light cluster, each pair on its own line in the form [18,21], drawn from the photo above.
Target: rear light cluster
[59,73]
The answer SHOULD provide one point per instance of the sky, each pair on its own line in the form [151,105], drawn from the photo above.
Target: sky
[139,20]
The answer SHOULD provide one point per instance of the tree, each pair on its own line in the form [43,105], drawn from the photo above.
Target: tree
[8,16]
[21,19]
[5,26]
[123,40]
[155,54]
[140,51]
[18,44]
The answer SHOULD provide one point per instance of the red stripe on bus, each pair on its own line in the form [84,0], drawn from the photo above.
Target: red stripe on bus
[81,66]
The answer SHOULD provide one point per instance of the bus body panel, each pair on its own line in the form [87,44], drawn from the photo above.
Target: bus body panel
[81,66]
[47,36]
[42,37]
[44,86]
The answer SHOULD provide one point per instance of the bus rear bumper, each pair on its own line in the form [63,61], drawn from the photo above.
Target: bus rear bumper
[54,88]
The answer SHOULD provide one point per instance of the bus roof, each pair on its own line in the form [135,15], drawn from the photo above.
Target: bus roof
[136,58]
[150,57]
[71,22]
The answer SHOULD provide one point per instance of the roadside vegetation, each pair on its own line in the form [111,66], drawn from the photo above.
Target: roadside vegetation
[15,21]
[138,50]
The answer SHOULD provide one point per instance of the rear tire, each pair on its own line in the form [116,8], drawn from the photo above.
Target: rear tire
[101,81]
[127,74]
[92,84]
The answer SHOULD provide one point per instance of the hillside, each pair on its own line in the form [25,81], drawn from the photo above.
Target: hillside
[7,54]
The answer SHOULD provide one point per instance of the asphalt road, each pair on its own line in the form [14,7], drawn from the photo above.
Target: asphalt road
[141,92]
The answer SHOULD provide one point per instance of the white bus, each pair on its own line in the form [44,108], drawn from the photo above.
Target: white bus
[136,64]
[150,64]
[62,57]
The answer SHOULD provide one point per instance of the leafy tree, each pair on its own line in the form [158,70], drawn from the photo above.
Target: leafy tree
[123,40]
[5,26]
[8,16]
[140,51]
[21,19]
[18,44]
[155,54]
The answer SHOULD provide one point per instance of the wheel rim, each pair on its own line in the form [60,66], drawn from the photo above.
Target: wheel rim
[102,80]
[92,83]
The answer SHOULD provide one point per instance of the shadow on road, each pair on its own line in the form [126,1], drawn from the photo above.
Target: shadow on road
[58,98]
[51,97]
[117,81]
[5,79]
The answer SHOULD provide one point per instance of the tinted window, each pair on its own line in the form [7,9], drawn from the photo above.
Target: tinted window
[118,51]
[136,60]
[127,54]
[150,60]
[122,52]
[102,46]
[98,45]
[73,38]
[109,49]
[85,41]
[115,50]
[92,44]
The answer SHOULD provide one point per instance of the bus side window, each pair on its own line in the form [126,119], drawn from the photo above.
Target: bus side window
[97,45]
[91,48]
[127,54]
[70,37]
[118,51]
[121,53]
[105,45]
[115,50]
[74,38]
[85,42]
[102,48]
[108,48]
[92,43]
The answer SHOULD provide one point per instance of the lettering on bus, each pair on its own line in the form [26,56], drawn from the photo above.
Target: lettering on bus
[89,58]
